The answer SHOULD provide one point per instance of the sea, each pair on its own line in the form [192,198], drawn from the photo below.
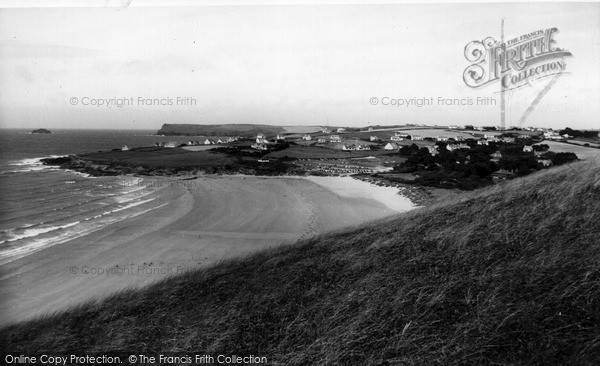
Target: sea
[41,206]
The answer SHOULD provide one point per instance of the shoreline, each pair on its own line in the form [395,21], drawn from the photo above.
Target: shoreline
[418,195]
[217,217]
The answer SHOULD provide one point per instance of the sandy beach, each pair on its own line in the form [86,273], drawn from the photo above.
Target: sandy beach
[198,223]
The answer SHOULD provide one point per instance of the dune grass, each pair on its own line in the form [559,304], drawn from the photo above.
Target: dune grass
[507,275]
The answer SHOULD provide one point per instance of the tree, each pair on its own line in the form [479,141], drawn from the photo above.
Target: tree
[563,158]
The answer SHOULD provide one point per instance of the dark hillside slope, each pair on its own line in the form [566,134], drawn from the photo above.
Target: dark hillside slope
[508,275]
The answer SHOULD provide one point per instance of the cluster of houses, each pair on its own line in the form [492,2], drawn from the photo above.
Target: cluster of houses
[355,147]
[213,141]
[169,144]
[328,131]
[207,141]
[338,168]
[262,142]
[553,135]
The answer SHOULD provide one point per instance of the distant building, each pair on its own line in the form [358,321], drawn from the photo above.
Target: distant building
[321,141]
[509,140]
[370,129]
[259,146]
[453,147]
[306,138]
[545,162]
[341,130]
[416,138]
[551,135]
[401,134]
[326,130]
[483,142]
[502,174]
[442,138]
[527,148]
[171,144]
[496,156]
[374,138]
[124,148]
[208,142]
[396,138]
[280,137]
[335,138]
[261,138]
[391,146]
[433,150]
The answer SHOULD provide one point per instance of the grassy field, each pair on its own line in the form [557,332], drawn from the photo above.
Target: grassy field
[248,130]
[301,129]
[508,275]
[161,157]
[592,143]
[582,152]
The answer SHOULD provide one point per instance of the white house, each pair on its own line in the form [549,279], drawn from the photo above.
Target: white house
[321,141]
[374,138]
[124,148]
[170,144]
[335,138]
[341,130]
[442,138]
[416,138]
[326,130]
[391,146]
[527,148]
[401,134]
[280,137]
[551,135]
[483,142]
[396,138]
[306,138]
[453,147]
[261,139]
[208,142]
[433,150]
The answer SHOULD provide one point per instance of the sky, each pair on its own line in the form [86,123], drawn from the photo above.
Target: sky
[338,65]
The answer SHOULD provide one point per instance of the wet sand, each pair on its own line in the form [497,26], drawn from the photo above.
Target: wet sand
[205,221]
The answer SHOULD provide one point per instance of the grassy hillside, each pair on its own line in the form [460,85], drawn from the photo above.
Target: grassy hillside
[507,275]
[246,130]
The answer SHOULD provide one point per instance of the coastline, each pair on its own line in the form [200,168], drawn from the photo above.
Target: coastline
[206,220]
